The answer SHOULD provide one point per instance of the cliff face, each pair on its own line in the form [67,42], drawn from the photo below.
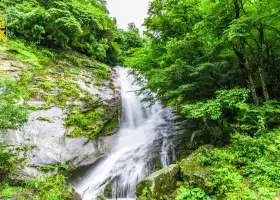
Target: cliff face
[73,105]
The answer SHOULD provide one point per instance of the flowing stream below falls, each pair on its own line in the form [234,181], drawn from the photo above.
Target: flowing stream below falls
[143,137]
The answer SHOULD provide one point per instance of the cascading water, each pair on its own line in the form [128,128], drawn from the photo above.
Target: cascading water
[129,161]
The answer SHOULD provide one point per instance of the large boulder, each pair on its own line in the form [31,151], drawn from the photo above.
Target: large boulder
[193,173]
[160,183]
[163,183]
[46,135]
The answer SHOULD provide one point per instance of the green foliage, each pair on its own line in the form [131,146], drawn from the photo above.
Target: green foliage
[8,192]
[200,47]
[78,25]
[193,193]
[50,188]
[8,162]
[22,51]
[128,41]
[247,168]
[10,91]
[225,180]
[217,63]
[11,115]
[46,85]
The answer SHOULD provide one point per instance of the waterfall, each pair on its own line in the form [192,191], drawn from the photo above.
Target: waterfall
[130,159]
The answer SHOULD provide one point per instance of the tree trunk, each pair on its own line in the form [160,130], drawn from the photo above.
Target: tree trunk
[251,83]
[237,9]
[241,54]
[261,65]
[245,67]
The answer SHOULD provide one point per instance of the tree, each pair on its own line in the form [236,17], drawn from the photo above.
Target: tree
[199,47]
[83,26]
[132,27]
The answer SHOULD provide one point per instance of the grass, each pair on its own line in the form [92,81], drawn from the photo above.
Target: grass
[19,50]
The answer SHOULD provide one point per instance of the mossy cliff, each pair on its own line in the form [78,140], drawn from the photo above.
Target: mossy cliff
[65,104]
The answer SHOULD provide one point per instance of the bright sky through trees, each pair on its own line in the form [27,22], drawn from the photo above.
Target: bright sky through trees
[127,11]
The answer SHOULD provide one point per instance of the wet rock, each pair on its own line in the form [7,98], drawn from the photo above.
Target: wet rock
[159,183]
[50,144]
[76,196]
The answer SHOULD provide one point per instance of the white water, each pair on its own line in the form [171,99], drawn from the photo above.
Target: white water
[129,161]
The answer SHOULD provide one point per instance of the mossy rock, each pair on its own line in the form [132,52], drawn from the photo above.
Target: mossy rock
[193,173]
[108,190]
[111,126]
[76,195]
[159,184]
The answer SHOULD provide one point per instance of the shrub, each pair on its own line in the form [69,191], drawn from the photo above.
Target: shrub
[12,116]
[8,162]
[193,193]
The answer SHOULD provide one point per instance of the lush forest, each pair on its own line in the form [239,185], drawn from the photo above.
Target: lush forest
[54,38]
[216,62]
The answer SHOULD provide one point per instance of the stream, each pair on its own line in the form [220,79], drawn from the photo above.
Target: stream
[143,137]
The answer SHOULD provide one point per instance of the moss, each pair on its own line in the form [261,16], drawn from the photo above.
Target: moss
[159,184]
[47,85]
[27,79]
[87,124]
[67,91]
[192,171]
[100,71]
[158,164]
[46,119]
[111,126]
[62,167]
[108,190]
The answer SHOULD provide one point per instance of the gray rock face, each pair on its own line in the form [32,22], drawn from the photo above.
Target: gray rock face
[11,67]
[108,92]
[45,132]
